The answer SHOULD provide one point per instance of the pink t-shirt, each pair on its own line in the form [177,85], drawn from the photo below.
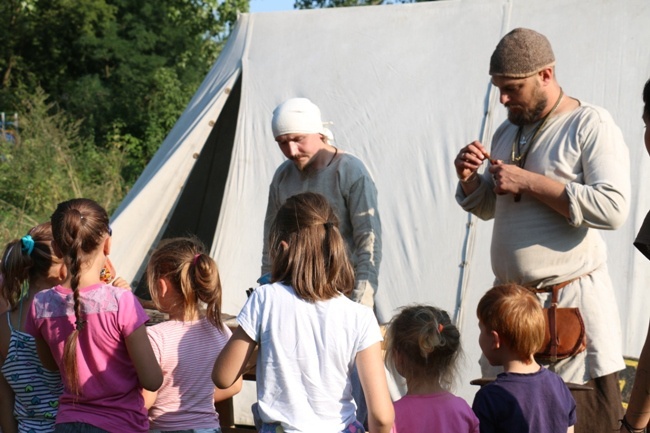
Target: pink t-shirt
[186,352]
[111,396]
[439,412]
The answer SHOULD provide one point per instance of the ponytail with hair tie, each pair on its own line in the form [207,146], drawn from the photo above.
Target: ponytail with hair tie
[191,273]
[24,260]
[427,344]
[27,244]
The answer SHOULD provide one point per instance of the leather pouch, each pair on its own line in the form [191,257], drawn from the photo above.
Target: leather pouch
[565,334]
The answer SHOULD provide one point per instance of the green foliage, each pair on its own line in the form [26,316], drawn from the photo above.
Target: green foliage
[49,163]
[123,67]
[117,75]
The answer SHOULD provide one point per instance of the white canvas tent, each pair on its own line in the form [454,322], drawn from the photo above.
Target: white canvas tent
[405,87]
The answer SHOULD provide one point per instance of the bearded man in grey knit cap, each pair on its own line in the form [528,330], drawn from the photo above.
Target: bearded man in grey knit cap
[557,173]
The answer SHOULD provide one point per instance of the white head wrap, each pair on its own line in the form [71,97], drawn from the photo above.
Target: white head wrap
[298,115]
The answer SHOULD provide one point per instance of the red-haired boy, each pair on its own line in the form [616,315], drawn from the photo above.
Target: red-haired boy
[526,397]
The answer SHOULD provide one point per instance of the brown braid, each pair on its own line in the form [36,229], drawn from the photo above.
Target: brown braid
[70,348]
[79,227]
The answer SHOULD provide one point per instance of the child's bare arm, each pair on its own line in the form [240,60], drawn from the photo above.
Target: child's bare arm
[638,409]
[381,414]
[8,423]
[149,398]
[7,397]
[223,394]
[144,360]
[45,355]
[233,359]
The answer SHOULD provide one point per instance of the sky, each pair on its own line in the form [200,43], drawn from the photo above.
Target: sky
[271,5]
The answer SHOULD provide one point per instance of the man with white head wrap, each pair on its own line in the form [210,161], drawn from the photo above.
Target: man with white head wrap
[315,165]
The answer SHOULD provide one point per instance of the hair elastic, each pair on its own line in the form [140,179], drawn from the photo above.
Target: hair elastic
[196,258]
[440,328]
[27,244]
[80,324]
[328,225]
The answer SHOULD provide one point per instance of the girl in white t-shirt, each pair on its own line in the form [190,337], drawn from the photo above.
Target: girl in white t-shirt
[184,282]
[423,346]
[310,335]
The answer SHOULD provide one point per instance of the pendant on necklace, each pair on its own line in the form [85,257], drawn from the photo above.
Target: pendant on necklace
[522,140]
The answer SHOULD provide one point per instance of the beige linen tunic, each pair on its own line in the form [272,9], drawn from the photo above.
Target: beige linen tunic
[535,246]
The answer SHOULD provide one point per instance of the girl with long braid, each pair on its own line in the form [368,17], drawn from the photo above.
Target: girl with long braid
[92,331]
[29,393]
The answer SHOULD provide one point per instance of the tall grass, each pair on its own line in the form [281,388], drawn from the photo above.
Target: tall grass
[51,162]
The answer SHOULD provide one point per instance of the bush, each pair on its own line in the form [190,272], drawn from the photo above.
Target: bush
[51,162]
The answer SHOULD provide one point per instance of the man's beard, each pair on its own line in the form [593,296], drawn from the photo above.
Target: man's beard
[526,116]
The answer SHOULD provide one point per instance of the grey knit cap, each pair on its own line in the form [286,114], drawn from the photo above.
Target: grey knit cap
[521,53]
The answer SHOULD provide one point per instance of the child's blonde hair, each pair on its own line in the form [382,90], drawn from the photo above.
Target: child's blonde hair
[516,315]
[183,263]
[424,344]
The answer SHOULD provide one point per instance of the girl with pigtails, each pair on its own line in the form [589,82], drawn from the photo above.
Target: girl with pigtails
[423,346]
[184,283]
[29,393]
[93,332]
[310,335]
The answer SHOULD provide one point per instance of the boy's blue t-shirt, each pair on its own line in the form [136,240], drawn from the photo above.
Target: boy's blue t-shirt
[525,403]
